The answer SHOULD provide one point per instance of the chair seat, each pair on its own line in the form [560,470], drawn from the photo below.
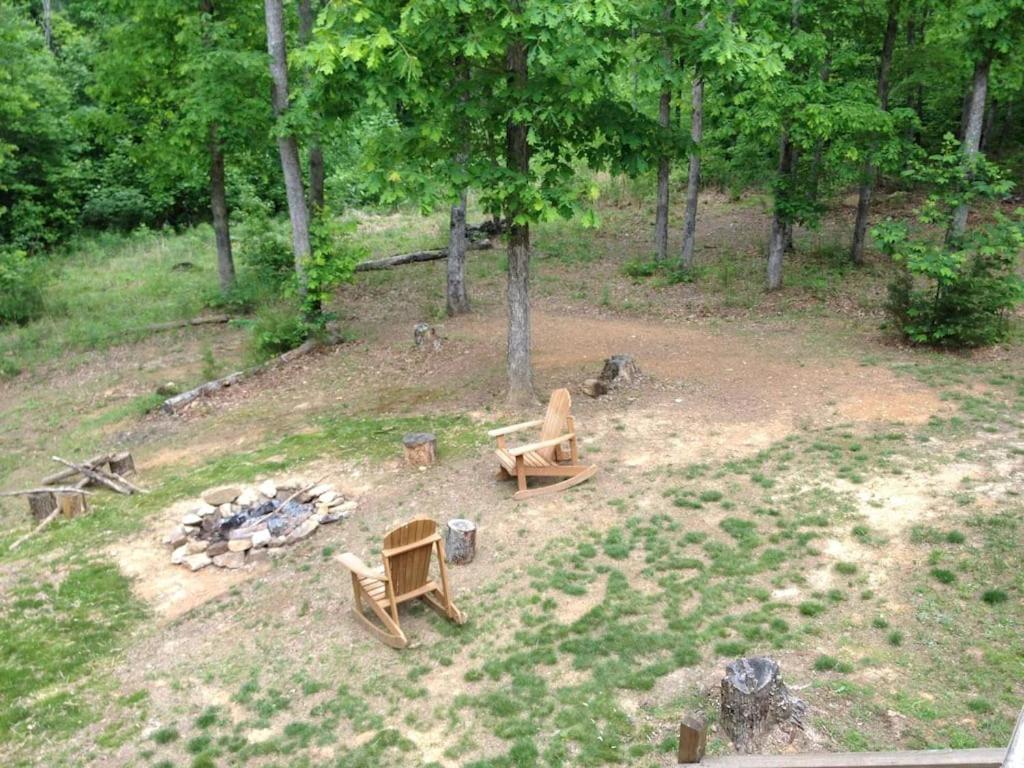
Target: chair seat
[375,590]
[530,458]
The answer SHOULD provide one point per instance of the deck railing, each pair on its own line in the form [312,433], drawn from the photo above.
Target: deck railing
[693,738]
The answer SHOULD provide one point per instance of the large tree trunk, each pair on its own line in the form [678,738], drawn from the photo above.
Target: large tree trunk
[457,298]
[48,23]
[287,146]
[782,227]
[972,138]
[693,180]
[869,173]
[219,208]
[307,18]
[664,162]
[520,370]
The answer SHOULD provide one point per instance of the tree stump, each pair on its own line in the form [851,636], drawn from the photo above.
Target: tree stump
[41,504]
[460,541]
[71,504]
[420,448]
[755,701]
[122,464]
[594,388]
[620,369]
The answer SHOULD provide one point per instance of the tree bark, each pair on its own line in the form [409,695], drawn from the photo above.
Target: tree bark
[693,179]
[48,23]
[520,370]
[460,541]
[755,701]
[457,298]
[219,209]
[664,162]
[782,228]
[869,174]
[972,138]
[287,145]
[307,18]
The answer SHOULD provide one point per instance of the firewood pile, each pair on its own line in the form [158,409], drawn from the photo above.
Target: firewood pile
[64,493]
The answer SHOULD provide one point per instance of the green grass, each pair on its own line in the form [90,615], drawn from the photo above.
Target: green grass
[50,633]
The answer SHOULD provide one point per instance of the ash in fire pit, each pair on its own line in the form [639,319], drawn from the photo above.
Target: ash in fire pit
[230,524]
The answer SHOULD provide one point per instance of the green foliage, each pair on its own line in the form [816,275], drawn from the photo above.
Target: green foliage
[955,291]
[21,288]
[277,327]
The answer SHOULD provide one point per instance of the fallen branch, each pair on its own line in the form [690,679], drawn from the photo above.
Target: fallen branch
[97,476]
[215,320]
[174,404]
[66,474]
[301,491]
[417,256]
[45,522]
[127,483]
[48,489]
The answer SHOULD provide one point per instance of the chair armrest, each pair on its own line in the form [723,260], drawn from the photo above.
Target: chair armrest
[358,567]
[520,450]
[515,428]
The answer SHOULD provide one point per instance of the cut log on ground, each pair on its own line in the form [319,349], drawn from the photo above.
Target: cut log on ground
[460,541]
[47,489]
[620,369]
[41,504]
[71,504]
[594,388]
[122,464]
[416,257]
[755,701]
[420,448]
[215,320]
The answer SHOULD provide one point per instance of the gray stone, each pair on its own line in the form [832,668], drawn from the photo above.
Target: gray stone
[226,510]
[222,495]
[261,538]
[178,556]
[197,562]
[304,530]
[204,509]
[318,490]
[191,519]
[268,489]
[257,557]
[347,506]
[277,541]
[217,548]
[248,498]
[327,497]
[176,537]
[230,560]
[239,545]
[195,546]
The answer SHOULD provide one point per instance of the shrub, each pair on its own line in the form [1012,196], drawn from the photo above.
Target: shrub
[943,576]
[994,596]
[955,292]
[276,328]
[21,288]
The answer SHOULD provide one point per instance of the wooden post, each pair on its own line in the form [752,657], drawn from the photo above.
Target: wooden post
[693,738]
[122,464]
[754,701]
[420,448]
[41,504]
[460,541]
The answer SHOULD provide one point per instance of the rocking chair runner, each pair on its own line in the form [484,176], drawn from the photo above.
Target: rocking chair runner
[547,457]
[404,575]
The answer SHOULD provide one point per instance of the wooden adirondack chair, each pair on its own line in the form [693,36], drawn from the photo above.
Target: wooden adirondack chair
[403,576]
[546,457]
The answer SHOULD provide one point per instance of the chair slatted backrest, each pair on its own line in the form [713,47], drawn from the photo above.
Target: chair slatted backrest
[410,569]
[555,420]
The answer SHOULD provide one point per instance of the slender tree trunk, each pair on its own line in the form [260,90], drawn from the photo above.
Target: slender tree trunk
[458,299]
[664,162]
[219,208]
[693,179]
[782,228]
[307,18]
[520,370]
[48,23]
[664,167]
[869,174]
[287,145]
[972,137]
